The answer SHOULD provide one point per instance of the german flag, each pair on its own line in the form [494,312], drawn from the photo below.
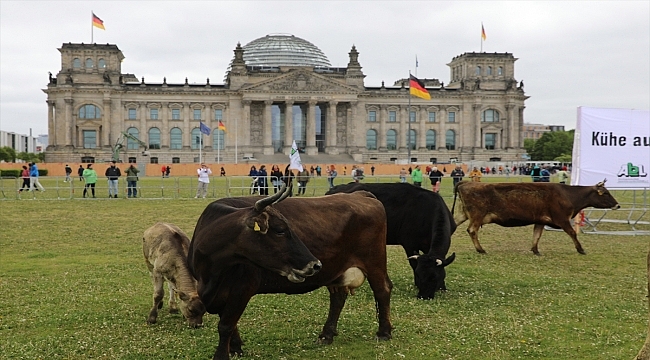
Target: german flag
[221,126]
[417,88]
[97,22]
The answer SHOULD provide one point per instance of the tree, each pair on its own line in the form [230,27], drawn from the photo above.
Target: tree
[529,144]
[552,144]
[28,157]
[7,154]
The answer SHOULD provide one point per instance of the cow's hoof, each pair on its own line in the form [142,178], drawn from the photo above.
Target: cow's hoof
[151,321]
[325,340]
[236,352]
[384,337]
[582,252]
[536,253]
[481,251]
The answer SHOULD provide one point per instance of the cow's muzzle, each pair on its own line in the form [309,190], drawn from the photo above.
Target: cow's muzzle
[616,207]
[298,276]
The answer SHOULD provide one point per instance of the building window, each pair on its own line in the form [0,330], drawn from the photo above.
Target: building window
[176,160]
[432,116]
[218,139]
[89,112]
[218,114]
[175,138]
[478,70]
[88,159]
[154,138]
[412,116]
[392,116]
[451,117]
[197,114]
[500,71]
[132,144]
[176,114]
[412,139]
[450,140]
[489,70]
[90,139]
[371,140]
[431,139]
[197,139]
[132,114]
[391,139]
[101,64]
[490,115]
[433,160]
[490,141]
[153,114]
[89,63]
[153,160]
[76,63]
[132,160]
[372,116]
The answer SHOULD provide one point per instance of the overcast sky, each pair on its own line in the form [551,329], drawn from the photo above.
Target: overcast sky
[584,53]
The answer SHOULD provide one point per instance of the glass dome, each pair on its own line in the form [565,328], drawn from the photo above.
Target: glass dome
[283,50]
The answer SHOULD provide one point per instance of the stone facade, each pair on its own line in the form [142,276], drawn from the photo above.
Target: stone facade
[477,116]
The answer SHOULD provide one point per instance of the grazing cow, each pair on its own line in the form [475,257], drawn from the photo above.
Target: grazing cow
[419,221]
[528,203]
[165,249]
[345,232]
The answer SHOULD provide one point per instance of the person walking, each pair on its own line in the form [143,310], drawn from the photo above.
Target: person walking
[303,179]
[80,172]
[372,170]
[416,176]
[276,178]
[113,174]
[25,176]
[357,173]
[475,174]
[33,178]
[203,174]
[435,176]
[262,180]
[90,176]
[163,169]
[563,175]
[132,181]
[223,172]
[253,174]
[68,172]
[402,175]
[331,175]
[318,170]
[167,170]
[457,175]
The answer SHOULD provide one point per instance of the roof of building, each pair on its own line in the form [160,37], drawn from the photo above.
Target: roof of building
[283,50]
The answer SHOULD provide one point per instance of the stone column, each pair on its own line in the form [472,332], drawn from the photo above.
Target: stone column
[106,124]
[311,129]
[51,126]
[144,115]
[383,119]
[441,132]
[164,126]
[350,125]
[69,122]
[267,128]
[476,125]
[208,121]
[187,133]
[510,133]
[422,130]
[288,127]
[246,123]
[403,127]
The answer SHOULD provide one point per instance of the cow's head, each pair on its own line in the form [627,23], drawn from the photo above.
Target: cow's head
[430,274]
[268,241]
[601,197]
[192,308]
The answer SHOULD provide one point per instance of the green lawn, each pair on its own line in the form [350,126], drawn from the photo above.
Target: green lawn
[74,286]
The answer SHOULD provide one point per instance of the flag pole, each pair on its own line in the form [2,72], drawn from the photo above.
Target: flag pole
[236,136]
[92,30]
[201,148]
[218,146]
[408,119]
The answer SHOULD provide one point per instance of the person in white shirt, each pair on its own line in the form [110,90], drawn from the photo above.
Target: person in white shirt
[204,179]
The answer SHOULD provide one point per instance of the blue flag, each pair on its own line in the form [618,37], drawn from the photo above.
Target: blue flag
[204,128]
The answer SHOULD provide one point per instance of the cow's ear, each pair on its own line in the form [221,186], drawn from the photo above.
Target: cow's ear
[600,191]
[258,223]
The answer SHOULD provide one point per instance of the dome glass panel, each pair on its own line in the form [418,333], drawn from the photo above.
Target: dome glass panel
[283,50]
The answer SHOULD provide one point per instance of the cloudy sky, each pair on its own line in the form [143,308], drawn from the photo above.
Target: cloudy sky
[583,53]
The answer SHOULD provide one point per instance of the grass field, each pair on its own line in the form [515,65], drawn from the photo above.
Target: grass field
[74,286]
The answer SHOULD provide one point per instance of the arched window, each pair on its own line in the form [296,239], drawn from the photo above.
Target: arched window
[175,138]
[412,139]
[490,115]
[500,70]
[197,139]
[89,112]
[218,139]
[76,63]
[391,139]
[89,63]
[478,70]
[371,140]
[450,140]
[132,144]
[101,64]
[154,138]
[431,139]
[489,70]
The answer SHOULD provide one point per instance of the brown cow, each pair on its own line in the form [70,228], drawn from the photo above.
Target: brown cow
[523,204]
[165,249]
[346,232]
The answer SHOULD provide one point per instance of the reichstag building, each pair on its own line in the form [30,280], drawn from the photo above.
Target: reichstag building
[277,89]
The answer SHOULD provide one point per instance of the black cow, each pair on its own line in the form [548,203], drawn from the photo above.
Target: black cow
[345,232]
[419,221]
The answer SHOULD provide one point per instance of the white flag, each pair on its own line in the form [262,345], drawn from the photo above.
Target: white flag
[294,158]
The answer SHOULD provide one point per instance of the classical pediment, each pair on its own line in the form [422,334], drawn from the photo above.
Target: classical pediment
[300,81]
[492,127]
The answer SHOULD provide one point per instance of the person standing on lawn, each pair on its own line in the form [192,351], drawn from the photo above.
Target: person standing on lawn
[113,173]
[132,181]
[91,178]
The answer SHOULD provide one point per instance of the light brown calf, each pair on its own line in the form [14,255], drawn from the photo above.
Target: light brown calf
[165,249]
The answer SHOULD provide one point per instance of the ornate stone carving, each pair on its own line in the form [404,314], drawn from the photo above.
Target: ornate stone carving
[301,82]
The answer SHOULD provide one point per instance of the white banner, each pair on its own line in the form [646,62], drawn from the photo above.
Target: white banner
[294,158]
[612,144]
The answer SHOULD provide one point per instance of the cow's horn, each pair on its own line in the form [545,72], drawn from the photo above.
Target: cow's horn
[286,193]
[438,262]
[414,257]
[602,183]
[261,204]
